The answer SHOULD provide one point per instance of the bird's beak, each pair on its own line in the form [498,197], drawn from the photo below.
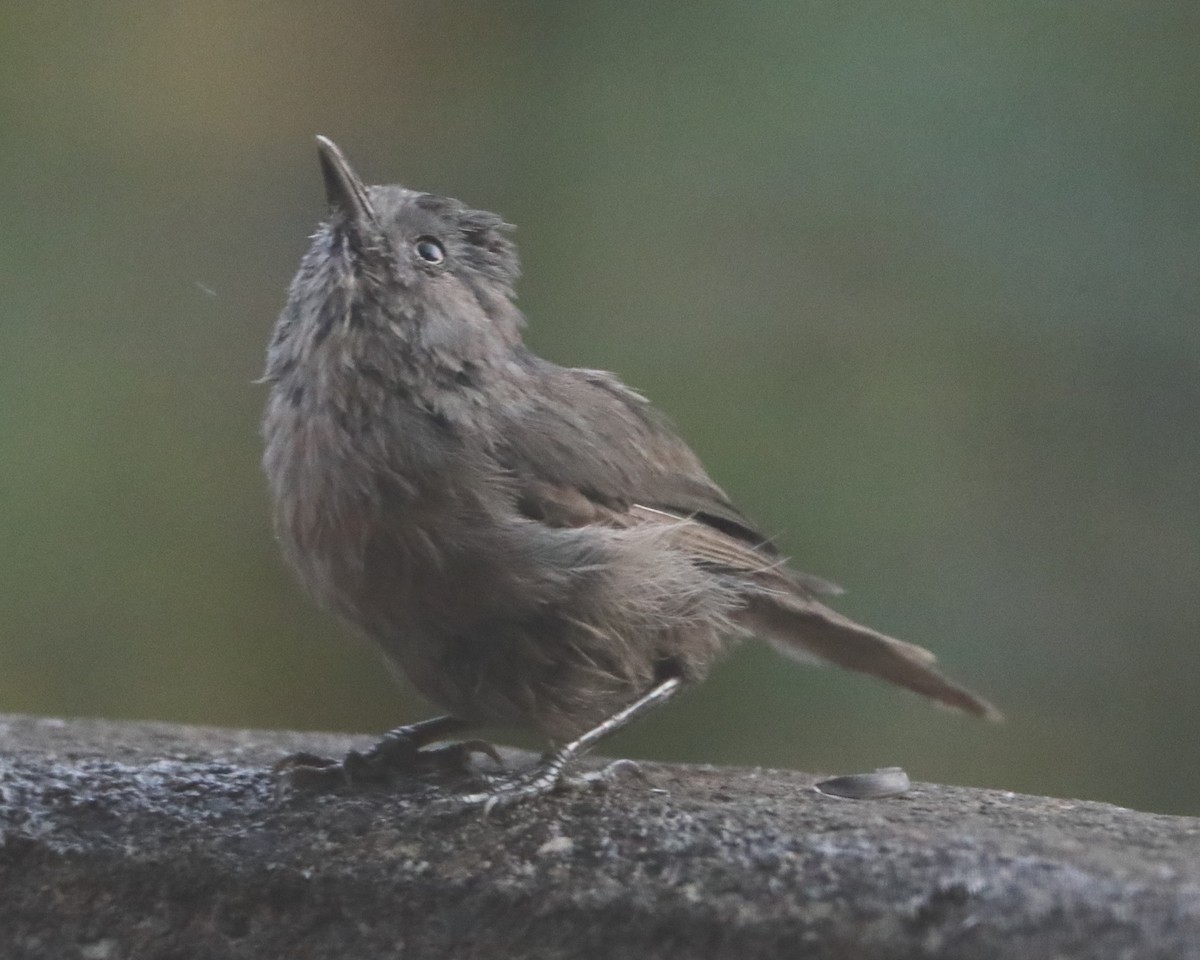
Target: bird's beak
[344,191]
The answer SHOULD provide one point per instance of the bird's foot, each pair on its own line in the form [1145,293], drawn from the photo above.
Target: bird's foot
[547,776]
[396,755]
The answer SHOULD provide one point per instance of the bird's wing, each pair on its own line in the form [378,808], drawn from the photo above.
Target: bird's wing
[598,452]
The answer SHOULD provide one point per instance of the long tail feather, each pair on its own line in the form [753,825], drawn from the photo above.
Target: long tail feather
[800,629]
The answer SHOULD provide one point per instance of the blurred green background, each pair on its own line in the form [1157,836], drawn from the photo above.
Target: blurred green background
[918,280]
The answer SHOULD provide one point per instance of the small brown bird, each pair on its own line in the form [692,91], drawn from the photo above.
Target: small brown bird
[529,544]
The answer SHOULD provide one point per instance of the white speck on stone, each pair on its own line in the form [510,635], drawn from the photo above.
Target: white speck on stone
[556,845]
[99,950]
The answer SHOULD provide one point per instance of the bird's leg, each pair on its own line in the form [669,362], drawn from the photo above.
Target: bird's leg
[549,772]
[399,746]
[404,750]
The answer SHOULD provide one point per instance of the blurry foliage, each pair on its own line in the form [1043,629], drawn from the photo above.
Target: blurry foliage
[917,280]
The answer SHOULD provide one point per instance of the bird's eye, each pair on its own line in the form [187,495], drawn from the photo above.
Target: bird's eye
[430,250]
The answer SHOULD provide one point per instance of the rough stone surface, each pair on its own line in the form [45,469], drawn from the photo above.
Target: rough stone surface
[151,841]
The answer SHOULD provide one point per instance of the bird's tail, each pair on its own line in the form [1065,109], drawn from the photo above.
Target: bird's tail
[802,628]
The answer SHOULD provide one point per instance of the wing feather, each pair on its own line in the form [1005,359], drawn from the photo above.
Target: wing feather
[600,453]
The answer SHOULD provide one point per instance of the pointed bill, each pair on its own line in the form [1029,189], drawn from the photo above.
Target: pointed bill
[344,191]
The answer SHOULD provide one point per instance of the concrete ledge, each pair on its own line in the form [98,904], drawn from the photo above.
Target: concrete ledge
[151,841]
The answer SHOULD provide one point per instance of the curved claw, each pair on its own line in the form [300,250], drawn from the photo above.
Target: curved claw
[546,777]
[464,750]
[301,759]
[308,771]
[611,771]
[392,756]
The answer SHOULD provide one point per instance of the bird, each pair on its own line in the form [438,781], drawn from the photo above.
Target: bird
[531,545]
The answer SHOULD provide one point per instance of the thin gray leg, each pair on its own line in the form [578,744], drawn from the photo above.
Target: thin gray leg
[548,773]
[413,736]
[398,751]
